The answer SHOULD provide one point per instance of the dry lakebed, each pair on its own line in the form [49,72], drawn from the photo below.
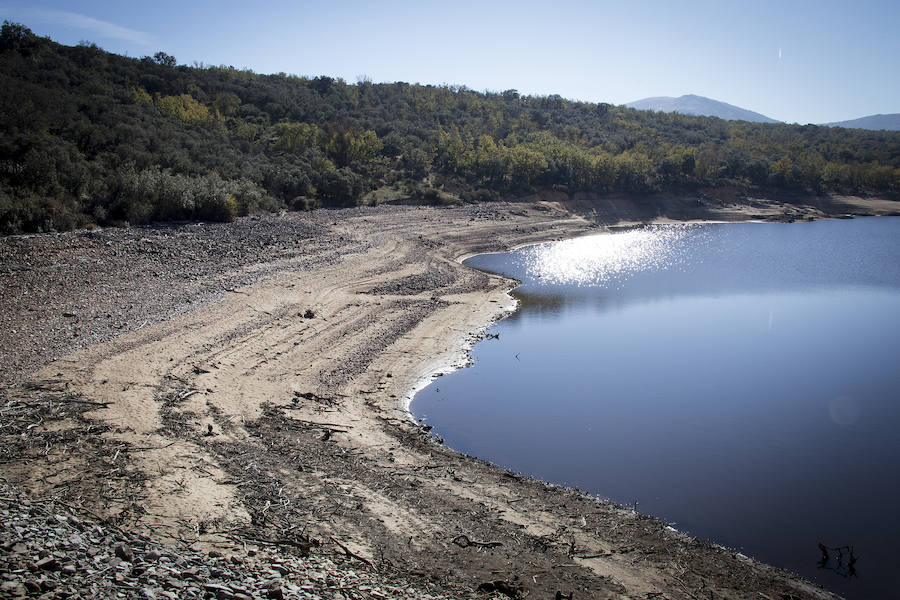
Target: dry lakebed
[218,411]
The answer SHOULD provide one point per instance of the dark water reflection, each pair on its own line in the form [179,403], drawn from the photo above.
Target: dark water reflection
[740,381]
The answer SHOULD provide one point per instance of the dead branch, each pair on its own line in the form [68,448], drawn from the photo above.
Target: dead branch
[89,402]
[464,541]
[351,554]
[336,427]
[142,448]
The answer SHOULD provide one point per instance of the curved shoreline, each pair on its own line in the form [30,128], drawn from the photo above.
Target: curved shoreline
[438,367]
[248,416]
[477,440]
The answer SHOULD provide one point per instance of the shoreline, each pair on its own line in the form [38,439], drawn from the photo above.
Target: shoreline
[610,231]
[432,369]
[227,417]
[462,358]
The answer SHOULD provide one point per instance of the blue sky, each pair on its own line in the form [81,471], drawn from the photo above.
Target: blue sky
[807,62]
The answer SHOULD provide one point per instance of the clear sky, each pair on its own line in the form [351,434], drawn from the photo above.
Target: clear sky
[797,61]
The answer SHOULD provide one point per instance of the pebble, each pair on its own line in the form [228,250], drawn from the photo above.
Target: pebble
[47,564]
[124,552]
[58,555]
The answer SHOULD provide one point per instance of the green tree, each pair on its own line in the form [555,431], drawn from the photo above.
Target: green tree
[185,107]
[364,147]
[782,172]
[603,167]
[416,162]
[166,60]
[295,137]
[488,159]
[525,165]
[226,103]
[15,36]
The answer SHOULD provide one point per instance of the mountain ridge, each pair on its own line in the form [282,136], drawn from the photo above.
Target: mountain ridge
[692,104]
[879,122]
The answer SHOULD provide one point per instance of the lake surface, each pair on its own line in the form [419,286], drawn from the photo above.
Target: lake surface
[740,381]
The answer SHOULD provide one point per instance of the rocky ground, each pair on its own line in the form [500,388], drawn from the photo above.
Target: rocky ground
[217,410]
[50,552]
[60,292]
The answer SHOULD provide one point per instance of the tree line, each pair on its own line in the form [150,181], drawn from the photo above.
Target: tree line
[90,137]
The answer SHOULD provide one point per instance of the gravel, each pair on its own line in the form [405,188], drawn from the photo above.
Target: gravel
[49,550]
[61,292]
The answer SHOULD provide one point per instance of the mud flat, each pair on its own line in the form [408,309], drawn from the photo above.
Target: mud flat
[239,391]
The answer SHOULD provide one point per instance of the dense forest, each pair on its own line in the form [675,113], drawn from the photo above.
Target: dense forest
[90,137]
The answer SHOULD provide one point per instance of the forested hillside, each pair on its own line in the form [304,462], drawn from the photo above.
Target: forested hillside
[90,137]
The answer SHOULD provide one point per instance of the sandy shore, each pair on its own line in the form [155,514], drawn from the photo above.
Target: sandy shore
[258,405]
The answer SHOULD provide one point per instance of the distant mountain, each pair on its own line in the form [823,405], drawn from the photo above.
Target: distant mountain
[874,122]
[691,104]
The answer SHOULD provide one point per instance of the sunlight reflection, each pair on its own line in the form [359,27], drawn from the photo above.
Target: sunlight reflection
[609,259]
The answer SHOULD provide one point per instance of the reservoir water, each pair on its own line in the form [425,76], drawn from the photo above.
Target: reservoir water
[739,381]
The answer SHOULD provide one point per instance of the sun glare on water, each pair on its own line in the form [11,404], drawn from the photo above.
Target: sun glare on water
[607,260]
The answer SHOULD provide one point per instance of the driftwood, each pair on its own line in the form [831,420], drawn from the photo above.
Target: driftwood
[304,544]
[503,587]
[329,401]
[352,554]
[335,427]
[464,541]
[89,402]
[601,555]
